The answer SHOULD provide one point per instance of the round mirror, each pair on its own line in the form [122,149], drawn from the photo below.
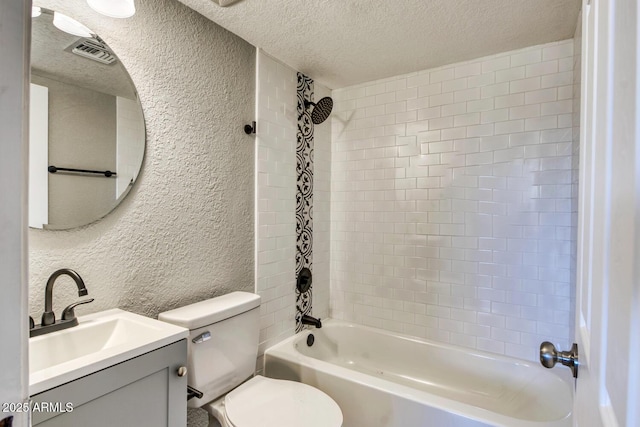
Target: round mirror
[87,133]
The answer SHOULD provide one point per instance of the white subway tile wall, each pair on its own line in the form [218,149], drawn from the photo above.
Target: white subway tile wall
[276,181]
[451,202]
[321,211]
[275,199]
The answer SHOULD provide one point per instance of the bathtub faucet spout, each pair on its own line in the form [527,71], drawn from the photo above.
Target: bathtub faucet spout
[308,320]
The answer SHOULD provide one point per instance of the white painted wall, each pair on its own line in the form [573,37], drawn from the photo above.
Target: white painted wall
[14,95]
[451,202]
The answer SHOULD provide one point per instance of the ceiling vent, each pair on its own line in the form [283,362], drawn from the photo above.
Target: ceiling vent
[92,49]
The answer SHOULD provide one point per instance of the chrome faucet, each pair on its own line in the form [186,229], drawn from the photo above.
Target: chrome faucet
[49,323]
[308,320]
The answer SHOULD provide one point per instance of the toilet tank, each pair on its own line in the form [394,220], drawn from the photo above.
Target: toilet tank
[222,343]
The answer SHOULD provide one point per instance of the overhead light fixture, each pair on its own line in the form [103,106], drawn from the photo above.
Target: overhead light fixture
[71,26]
[113,8]
[36,11]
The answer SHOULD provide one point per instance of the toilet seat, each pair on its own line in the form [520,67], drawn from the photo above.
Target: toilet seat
[267,402]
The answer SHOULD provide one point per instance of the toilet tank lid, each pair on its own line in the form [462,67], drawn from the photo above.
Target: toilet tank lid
[211,311]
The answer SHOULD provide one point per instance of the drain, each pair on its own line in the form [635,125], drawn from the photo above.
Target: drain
[310,340]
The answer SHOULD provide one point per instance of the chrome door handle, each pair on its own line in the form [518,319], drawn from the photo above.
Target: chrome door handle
[549,356]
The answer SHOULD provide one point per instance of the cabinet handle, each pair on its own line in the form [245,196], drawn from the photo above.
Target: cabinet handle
[182,371]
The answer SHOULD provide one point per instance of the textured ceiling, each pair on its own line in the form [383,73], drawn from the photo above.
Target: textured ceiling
[49,59]
[344,42]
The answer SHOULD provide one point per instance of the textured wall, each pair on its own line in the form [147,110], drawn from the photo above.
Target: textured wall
[451,202]
[185,232]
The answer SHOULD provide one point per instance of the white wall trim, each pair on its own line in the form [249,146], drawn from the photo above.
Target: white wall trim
[15,26]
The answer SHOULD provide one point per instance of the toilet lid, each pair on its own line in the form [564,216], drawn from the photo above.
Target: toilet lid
[265,402]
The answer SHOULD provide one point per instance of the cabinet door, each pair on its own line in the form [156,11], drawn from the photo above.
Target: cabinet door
[144,391]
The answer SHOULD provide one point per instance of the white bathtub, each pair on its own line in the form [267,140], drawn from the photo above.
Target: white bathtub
[383,379]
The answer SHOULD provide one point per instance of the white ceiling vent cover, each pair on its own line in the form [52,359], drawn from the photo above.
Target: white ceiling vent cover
[92,49]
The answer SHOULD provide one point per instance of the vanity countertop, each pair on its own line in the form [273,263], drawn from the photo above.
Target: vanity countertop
[100,340]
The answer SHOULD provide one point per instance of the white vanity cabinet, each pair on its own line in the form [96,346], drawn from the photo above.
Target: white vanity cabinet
[139,392]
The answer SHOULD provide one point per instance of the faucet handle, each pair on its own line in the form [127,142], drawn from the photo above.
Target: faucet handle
[69,314]
[32,323]
[48,318]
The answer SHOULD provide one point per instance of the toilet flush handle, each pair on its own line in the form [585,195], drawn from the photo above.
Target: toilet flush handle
[192,392]
[205,336]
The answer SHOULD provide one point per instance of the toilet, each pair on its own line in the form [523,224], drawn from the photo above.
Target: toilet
[222,351]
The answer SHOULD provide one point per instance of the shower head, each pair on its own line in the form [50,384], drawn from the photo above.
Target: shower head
[321,109]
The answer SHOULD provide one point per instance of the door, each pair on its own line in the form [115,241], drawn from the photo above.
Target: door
[15,30]
[608,257]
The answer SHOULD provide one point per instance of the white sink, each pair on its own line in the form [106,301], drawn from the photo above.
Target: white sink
[99,341]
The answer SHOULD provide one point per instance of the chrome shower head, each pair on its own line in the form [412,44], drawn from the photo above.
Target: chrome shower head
[321,109]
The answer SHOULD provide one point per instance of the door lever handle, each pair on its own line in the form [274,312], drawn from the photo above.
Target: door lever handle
[549,356]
